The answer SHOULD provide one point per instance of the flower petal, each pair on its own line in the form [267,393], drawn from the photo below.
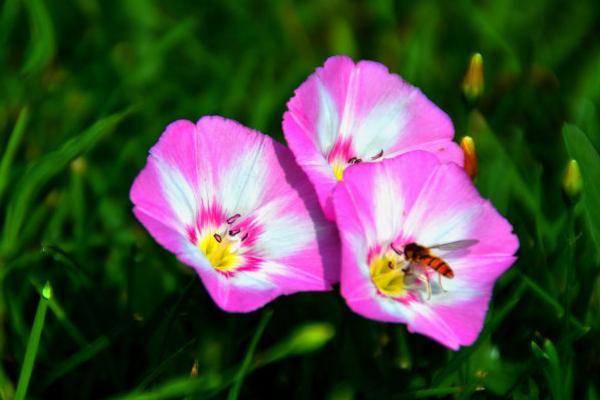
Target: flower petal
[205,173]
[414,198]
[368,106]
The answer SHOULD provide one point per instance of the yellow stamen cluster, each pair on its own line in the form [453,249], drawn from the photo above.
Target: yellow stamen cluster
[222,255]
[338,169]
[387,274]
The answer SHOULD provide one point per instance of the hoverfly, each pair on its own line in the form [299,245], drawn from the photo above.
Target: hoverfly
[421,255]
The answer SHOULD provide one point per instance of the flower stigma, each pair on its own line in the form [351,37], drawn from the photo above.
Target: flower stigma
[387,273]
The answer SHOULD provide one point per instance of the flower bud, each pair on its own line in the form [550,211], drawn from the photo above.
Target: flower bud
[467,144]
[473,82]
[572,184]
[79,165]
[47,291]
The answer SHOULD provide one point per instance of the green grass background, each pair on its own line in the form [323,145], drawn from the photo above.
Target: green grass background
[92,307]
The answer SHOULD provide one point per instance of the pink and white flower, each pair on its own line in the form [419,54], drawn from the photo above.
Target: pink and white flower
[231,203]
[346,113]
[382,208]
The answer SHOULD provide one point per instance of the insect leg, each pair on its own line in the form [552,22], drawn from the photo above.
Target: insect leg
[425,279]
[440,282]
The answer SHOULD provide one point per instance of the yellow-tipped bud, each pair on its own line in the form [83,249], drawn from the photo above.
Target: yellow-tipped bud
[467,144]
[194,371]
[79,165]
[572,184]
[473,82]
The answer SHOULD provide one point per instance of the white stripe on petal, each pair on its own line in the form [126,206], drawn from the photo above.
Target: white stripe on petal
[242,183]
[328,122]
[389,207]
[348,123]
[284,233]
[177,192]
[383,125]
[434,220]
[395,308]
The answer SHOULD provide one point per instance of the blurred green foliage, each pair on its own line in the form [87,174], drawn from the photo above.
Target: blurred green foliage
[87,86]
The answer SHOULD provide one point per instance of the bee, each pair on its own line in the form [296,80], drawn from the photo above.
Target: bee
[420,255]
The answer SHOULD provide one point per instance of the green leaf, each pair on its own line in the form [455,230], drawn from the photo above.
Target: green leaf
[581,149]
[41,172]
[42,46]
[13,144]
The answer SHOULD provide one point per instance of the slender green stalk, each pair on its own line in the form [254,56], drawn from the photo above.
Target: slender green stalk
[62,317]
[570,266]
[13,144]
[239,379]
[33,343]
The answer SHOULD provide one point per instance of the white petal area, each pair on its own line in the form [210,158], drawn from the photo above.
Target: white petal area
[178,193]
[328,120]
[349,120]
[439,215]
[242,183]
[284,233]
[397,310]
[382,127]
[389,207]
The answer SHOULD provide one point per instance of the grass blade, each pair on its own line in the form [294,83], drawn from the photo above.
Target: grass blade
[42,46]
[33,343]
[239,379]
[44,170]
[87,353]
[11,148]
[305,339]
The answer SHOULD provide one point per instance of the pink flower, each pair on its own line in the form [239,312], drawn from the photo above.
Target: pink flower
[390,215]
[231,203]
[347,113]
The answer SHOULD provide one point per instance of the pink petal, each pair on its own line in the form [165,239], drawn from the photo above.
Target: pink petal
[201,175]
[369,107]
[413,198]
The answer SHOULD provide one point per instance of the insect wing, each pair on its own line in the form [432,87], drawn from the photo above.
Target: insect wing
[458,245]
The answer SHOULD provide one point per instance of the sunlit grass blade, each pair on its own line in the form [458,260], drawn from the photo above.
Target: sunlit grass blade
[33,343]
[41,172]
[239,379]
[13,144]
[42,44]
